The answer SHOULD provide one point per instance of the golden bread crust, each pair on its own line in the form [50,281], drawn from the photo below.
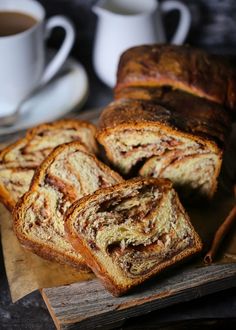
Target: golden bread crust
[194,114]
[132,114]
[179,111]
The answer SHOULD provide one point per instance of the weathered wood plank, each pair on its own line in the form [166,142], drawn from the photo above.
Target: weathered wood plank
[87,304]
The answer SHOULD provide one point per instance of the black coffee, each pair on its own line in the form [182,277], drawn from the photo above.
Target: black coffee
[15,22]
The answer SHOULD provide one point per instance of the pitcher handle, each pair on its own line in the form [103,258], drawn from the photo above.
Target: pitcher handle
[184,20]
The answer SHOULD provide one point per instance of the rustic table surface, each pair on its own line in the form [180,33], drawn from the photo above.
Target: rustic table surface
[213,28]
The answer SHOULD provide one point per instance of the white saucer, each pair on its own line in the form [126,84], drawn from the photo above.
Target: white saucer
[61,96]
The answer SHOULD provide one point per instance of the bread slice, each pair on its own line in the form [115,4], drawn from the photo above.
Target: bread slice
[19,160]
[67,174]
[181,67]
[135,131]
[131,231]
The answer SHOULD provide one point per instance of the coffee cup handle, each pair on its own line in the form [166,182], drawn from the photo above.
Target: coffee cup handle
[184,20]
[62,54]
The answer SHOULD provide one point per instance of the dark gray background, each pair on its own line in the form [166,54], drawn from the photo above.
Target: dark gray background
[213,28]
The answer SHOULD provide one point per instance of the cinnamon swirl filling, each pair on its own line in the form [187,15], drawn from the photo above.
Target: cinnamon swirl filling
[138,229]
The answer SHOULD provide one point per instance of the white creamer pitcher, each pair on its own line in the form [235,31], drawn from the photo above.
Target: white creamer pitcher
[126,23]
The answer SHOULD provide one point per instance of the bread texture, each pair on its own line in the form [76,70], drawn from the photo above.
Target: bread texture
[131,231]
[67,174]
[180,67]
[19,160]
[160,141]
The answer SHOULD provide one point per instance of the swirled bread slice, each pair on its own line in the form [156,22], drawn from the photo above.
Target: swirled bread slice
[131,231]
[183,144]
[67,174]
[181,67]
[19,160]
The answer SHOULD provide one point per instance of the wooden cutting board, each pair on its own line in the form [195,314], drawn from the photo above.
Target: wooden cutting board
[87,305]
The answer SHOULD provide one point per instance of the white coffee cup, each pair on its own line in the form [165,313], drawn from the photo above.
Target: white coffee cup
[22,55]
[126,23]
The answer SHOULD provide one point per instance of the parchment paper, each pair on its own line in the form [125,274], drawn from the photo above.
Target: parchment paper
[27,272]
